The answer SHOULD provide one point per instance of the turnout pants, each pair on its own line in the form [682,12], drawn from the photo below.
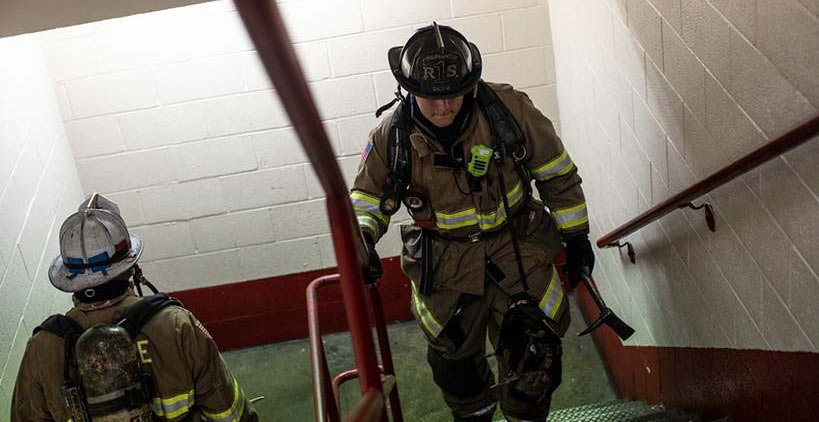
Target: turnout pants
[457,354]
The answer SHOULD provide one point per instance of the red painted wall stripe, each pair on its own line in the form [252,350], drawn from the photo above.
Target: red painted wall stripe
[270,310]
[748,385]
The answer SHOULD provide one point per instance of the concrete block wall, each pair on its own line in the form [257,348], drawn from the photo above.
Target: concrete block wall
[39,187]
[171,115]
[655,95]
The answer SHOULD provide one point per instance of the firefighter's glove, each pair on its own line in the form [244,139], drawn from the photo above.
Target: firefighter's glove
[579,254]
[374,271]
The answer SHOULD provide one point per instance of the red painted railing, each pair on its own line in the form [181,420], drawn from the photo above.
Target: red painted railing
[266,28]
[772,149]
[326,390]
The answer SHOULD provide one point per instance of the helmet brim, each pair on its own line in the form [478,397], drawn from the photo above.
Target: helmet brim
[64,280]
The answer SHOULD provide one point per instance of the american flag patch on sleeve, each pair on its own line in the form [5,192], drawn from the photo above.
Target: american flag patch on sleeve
[366,151]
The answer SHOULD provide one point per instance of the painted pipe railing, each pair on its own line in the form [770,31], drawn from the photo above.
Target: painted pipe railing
[267,30]
[793,138]
[327,390]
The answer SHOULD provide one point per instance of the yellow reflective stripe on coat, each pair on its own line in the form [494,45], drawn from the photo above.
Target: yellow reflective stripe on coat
[568,218]
[429,322]
[173,407]
[369,204]
[470,217]
[495,219]
[557,167]
[553,297]
[457,220]
[234,412]
[368,222]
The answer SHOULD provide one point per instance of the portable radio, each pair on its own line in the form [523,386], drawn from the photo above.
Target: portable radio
[480,156]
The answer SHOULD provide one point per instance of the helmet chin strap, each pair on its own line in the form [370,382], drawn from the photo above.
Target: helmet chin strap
[103,292]
[399,96]
[140,279]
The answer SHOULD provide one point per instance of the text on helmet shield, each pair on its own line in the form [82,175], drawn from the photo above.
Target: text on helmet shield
[440,72]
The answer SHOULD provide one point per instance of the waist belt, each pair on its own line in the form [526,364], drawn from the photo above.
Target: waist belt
[472,238]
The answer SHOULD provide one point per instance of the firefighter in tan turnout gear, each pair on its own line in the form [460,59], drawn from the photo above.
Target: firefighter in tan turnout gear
[115,356]
[461,154]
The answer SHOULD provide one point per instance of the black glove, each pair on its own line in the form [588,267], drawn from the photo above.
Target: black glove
[373,271]
[579,254]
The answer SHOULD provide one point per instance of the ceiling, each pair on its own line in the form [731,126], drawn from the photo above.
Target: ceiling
[25,16]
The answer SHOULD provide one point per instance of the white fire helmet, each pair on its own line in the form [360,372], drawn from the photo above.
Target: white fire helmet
[95,247]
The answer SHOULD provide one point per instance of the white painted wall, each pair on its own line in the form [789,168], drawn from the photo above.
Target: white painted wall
[657,94]
[39,187]
[171,115]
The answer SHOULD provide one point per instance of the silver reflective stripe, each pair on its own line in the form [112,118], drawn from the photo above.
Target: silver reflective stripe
[553,297]
[559,166]
[370,223]
[365,203]
[114,394]
[516,194]
[236,409]
[173,407]
[469,218]
[432,326]
[484,410]
[568,218]
[365,206]
[493,220]
[572,217]
[162,409]
[234,416]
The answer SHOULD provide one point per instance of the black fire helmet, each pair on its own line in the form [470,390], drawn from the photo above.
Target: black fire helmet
[437,62]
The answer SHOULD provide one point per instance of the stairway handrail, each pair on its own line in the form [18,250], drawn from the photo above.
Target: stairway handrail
[269,34]
[791,139]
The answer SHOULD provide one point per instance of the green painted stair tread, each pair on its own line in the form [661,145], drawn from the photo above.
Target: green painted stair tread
[623,410]
[620,411]
[601,404]
[595,406]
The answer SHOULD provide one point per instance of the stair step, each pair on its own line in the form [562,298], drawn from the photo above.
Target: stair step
[621,411]
[590,410]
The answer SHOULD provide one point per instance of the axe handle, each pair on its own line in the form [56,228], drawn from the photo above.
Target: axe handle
[623,330]
[592,288]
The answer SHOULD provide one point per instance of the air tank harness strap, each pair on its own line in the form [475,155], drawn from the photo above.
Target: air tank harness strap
[506,135]
[398,153]
[68,329]
[499,157]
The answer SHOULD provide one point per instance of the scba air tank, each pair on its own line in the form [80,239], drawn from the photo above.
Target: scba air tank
[116,387]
